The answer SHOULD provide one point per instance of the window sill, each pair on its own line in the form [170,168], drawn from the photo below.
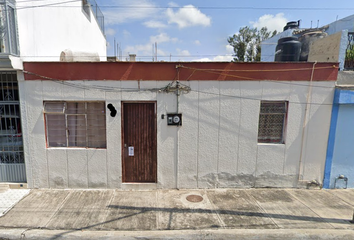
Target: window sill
[272,144]
[74,148]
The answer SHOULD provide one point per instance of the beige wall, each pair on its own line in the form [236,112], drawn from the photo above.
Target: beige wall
[326,49]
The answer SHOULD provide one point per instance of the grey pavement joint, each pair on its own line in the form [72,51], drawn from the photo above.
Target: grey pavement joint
[167,214]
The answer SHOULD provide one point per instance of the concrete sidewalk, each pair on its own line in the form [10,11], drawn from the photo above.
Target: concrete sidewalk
[266,213]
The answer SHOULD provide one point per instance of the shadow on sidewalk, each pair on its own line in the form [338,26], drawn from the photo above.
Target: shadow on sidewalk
[171,211]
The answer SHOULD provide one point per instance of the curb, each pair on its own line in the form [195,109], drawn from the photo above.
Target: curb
[241,234]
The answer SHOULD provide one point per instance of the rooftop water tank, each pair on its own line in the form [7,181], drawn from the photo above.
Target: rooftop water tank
[292,25]
[288,50]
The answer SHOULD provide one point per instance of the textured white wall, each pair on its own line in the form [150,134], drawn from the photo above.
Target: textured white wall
[216,146]
[44,32]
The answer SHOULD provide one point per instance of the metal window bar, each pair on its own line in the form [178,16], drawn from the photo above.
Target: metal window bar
[349,55]
[272,119]
[11,144]
[8,28]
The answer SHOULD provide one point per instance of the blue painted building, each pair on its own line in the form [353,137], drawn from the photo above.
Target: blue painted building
[339,168]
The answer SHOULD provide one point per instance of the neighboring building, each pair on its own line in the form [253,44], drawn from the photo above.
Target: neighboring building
[340,153]
[47,30]
[175,125]
[337,37]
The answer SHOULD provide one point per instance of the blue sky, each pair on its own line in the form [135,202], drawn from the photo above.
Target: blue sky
[196,30]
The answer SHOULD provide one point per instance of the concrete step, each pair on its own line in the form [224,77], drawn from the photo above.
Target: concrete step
[18,185]
[4,186]
[7,186]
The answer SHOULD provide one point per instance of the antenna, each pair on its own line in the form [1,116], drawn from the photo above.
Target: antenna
[120,52]
[153,53]
[115,51]
[311,23]
[156,51]
[318,23]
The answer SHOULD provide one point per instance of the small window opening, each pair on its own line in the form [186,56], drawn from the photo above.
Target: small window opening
[272,122]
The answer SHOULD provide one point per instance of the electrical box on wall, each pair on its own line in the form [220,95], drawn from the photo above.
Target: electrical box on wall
[174,119]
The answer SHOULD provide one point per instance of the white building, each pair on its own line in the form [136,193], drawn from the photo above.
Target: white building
[107,125]
[46,30]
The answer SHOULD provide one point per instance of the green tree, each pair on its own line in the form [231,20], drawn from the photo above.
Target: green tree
[247,43]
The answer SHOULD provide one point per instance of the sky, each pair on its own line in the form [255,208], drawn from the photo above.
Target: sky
[197,30]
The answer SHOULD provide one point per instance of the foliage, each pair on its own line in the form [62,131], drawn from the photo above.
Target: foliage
[246,43]
[350,53]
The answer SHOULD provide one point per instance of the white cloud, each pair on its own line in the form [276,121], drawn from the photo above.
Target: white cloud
[146,49]
[110,32]
[154,24]
[272,22]
[161,38]
[173,4]
[128,13]
[219,58]
[229,49]
[126,33]
[183,53]
[188,16]
[197,42]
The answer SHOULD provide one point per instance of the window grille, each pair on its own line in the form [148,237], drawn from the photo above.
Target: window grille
[8,28]
[349,56]
[11,145]
[272,121]
[75,124]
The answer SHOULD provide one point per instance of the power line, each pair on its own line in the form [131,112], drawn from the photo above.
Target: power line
[119,89]
[231,8]
[190,7]
[49,5]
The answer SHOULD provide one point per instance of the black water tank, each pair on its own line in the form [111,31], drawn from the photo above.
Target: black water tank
[291,25]
[288,50]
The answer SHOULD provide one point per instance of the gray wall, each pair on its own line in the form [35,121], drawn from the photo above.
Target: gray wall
[216,146]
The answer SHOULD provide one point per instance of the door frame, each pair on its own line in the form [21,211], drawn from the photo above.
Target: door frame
[122,139]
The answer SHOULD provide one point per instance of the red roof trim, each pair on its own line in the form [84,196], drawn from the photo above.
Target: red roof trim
[220,71]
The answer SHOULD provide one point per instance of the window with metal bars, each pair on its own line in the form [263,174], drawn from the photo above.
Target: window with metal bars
[272,122]
[75,124]
[86,8]
[11,144]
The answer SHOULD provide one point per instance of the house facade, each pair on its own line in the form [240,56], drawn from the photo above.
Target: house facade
[37,31]
[133,125]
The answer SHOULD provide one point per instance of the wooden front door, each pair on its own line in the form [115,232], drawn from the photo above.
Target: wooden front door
[139,158]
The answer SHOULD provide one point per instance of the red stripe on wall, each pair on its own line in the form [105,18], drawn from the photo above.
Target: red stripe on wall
[221,71]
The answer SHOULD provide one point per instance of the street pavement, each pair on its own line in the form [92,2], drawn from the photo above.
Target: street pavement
[177,214]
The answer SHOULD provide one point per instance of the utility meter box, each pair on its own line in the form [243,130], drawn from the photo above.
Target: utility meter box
[174,119]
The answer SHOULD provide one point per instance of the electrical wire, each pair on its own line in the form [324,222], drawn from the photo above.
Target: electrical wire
[49,5]
[168,88]
[213,7]
[217,71]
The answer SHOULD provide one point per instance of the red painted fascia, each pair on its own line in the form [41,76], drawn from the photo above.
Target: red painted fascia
[168,71]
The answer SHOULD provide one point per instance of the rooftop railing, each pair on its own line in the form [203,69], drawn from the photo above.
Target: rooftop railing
[98,14]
